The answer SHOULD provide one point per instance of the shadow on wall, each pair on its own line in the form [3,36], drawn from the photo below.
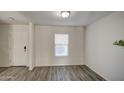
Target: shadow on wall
[5,38]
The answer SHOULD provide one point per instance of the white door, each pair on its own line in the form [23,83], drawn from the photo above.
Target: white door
[20,48]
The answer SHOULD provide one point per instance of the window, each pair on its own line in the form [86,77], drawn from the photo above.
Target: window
[61,44]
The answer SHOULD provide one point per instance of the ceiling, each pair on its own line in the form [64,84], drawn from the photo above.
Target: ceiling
[77,18]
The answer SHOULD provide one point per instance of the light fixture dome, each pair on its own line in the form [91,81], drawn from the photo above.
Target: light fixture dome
[65,14]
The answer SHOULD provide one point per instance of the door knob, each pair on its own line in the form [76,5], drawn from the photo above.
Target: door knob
[24,48]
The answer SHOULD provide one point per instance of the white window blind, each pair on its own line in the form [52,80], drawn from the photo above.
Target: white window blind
[61,44]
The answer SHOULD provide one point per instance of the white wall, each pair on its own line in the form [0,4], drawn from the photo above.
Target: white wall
[4,47]
[44,45]
[101,55]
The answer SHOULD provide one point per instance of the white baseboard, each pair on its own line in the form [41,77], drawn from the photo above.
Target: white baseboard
[99,73]
[58,65]
[5,65]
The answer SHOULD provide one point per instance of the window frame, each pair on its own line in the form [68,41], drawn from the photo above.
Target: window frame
[66,44]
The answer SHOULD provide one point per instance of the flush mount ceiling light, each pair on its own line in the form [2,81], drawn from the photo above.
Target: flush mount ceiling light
[65,14]
[11,19]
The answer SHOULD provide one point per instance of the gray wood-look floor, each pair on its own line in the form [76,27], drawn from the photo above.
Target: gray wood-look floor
[53,73]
